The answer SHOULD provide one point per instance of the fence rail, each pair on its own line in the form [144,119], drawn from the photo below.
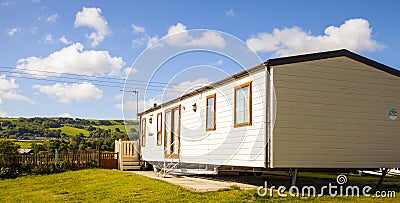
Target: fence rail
[75,157]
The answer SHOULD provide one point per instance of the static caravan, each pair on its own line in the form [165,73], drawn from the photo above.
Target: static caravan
[324,110]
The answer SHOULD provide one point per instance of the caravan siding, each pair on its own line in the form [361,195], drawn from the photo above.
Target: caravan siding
[333,113]
[226,145]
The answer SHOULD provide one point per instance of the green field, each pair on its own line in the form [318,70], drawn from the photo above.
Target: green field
[69,130]
[72,130]
[112,127]
[26,144]
[99,185]
[121,127]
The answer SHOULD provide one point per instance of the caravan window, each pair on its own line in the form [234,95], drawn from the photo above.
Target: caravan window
[143,132]
[172,122]
[210,112]
[159,129]
[242,105]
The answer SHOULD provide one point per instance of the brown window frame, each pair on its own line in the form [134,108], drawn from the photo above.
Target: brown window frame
[159,129]
[249,122]
[215,114]
[143,132]
[172,156]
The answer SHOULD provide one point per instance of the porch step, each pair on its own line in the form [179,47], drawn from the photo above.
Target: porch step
[131,167]
[131,163]
[130,158]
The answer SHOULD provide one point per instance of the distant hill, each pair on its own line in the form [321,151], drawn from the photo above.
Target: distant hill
[76,133]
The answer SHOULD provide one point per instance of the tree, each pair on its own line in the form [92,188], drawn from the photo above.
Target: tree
[37,147]
[8,148]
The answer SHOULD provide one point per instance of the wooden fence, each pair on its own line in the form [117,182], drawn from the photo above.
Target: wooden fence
[97,158]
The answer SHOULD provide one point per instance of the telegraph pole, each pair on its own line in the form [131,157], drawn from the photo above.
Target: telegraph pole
[137,102]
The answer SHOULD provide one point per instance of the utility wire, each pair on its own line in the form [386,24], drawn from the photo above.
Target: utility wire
[101,85]
[94,80]
[90,76]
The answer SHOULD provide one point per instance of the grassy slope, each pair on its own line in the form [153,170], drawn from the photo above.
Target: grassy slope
[112,127]
[26,144]
[98,185]
[121,127]
[71,130]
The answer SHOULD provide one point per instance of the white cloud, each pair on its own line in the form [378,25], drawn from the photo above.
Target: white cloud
[2,113]
[128,71]
[130,106]
[48,38]
[66,93]
[152,42]
[138,29]
[65,115]
[7,84]
[140,41]
[184,38]
[52,19]
[230,13]
[171,92]
[118,97]
[14,96]
[354,34]
[11,32]
[73,59]
[64,40]
[35,1]
[176,90]
[217,63]
[7,3]
[92,18]
[9,90]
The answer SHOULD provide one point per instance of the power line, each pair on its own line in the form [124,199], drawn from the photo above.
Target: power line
[101,85]
[94,80]
[81,75]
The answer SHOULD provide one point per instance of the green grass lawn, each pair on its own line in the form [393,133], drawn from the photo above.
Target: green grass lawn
[71,130]
[333,175]
[26,144]
[98,185]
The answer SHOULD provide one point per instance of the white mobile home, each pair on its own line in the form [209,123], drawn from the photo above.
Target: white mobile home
[331,109]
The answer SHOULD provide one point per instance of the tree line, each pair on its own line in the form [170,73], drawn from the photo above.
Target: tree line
[43,128]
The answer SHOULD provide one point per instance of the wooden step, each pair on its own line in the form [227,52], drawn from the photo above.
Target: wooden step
[131,167]
[130,158]
[131,163]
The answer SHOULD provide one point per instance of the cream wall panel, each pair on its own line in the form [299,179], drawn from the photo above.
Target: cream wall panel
[333,113]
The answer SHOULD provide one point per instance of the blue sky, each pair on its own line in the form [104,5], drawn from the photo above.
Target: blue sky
[70,58]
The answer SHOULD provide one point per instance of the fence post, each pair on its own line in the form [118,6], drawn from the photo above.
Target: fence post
[121,155]
[99,153]
[56,157]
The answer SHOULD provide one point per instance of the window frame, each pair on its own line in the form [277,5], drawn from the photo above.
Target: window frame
[159,129]
[172,155]
[250,96]
[215,114]
[143,132]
